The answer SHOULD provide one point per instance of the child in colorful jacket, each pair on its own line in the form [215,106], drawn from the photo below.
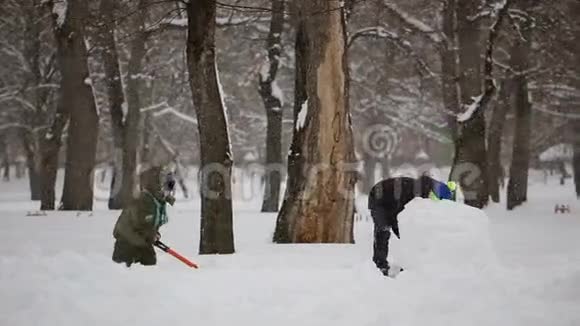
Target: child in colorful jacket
[388,198]
[137,228]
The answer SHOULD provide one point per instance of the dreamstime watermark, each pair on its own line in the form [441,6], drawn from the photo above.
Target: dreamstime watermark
[380,141]
[250,182]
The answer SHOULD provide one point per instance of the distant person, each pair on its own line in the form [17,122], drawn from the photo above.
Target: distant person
[137,229]
[387,199]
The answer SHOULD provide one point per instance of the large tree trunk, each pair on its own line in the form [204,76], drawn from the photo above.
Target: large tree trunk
[79,101]
[295,161]
[470,161]
[134,86]
[494,140]
[216,232]
[518,183]
[319,201]
[116,98]
[272,99]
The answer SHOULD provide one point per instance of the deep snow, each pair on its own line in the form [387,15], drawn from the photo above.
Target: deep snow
[462,268]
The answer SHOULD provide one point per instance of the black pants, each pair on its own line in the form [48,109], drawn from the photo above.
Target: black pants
[383,221]
[128,254]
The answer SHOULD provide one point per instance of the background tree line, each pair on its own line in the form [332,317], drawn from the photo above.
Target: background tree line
[481,86]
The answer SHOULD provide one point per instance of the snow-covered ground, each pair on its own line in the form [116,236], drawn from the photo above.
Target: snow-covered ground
[463,267]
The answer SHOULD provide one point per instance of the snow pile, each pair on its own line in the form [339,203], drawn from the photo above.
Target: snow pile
[437,235]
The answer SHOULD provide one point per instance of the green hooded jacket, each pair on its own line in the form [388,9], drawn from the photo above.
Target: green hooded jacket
[139,222]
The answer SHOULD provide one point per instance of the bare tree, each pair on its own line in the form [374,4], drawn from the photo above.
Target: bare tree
[517,189]
[494,139]
[575,10]
[470,149]
[272,98]
[133,122]
[319,201]
[116,97]
[78,101]
[216,233]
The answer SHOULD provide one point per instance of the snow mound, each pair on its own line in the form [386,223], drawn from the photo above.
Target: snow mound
[438,235]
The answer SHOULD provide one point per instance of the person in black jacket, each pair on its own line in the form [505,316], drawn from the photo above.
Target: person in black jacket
[388,198]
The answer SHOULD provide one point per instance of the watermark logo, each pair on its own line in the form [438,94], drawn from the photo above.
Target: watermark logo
[380,141]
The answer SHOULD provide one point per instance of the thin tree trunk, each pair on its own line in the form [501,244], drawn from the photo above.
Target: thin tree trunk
[134,87]
[448,54]
[367,180]
[33,118]
[576,158]
[295,160]
[216,232]
[494,141]
[575,10]
[33,176]
[518,183]
[319,203]
[79,101]
[470,161]
[50,151]
[5,160]
[116,98]
[271,97]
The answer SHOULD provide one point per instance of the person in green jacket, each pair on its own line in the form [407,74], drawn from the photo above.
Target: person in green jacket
[137,228]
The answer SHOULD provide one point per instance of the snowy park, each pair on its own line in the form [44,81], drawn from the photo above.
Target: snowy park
[289,163]
[463,266]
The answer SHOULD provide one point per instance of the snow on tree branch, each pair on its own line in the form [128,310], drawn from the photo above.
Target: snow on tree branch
[382,32]
[412,22]
[479,103]
[59,9]
[471,108]
[180,24]
[180,115]
[301,120]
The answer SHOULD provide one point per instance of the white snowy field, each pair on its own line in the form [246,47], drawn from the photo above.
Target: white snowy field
[461,268]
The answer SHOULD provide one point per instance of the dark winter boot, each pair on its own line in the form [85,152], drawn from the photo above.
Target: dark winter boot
[123,253]
[381,247]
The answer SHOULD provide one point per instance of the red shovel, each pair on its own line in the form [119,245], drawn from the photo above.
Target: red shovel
[175,254]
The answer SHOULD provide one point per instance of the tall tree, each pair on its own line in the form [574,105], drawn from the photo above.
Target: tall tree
[469,165]
[116,98]
[131,130]
[518,183]
[575,10]
[216,232]
[78,99]
[272,98]
[35,117]
[319,202]
[448,55]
